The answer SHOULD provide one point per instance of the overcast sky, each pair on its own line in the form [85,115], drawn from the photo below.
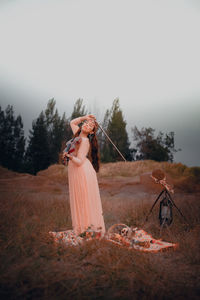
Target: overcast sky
[146,52]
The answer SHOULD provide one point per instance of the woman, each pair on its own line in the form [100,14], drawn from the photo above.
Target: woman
[85,201]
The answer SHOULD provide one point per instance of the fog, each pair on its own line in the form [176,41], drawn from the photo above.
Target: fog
[146,53]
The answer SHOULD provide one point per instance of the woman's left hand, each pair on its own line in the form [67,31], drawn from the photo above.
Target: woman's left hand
[89,117]
[69,156]
[64,155]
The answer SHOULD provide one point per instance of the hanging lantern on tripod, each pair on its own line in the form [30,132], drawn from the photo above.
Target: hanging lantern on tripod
[165,212]
[166,204]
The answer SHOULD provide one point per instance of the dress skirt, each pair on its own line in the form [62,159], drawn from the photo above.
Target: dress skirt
[85,201]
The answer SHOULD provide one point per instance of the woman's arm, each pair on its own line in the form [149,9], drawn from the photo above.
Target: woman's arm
[82,152]
[74,123]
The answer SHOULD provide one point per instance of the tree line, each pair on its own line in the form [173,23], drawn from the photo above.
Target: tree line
[50,132]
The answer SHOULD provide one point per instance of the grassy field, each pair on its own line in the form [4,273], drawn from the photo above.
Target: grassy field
[34,267]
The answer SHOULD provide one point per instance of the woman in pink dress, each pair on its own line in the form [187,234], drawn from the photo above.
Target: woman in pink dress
[85,201]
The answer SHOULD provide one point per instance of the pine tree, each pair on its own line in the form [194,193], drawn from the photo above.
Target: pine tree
[38,154]
[12,141]
[116,129]
[60,133]
[19,142]
[103,143]
[57,129]
[79,109]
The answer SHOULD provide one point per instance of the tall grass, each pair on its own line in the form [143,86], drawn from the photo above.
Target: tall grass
[33,266]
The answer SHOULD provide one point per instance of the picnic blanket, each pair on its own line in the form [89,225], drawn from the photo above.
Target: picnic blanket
[118,234]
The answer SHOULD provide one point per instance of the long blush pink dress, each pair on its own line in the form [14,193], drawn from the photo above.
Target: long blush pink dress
[85,201]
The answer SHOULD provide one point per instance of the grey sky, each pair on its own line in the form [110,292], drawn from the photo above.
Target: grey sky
[144,52]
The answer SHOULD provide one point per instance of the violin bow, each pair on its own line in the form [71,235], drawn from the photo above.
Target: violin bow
[111,141]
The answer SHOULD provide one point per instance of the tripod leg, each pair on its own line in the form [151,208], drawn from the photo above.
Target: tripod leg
[154,204]
[176,207]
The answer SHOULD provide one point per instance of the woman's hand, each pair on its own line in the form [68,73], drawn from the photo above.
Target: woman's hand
[89,117]
[65,154]
[69,156]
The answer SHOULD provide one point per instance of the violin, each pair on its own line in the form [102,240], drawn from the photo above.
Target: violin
[70,147]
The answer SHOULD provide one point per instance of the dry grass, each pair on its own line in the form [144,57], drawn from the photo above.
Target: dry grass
[34,267]
[183,178]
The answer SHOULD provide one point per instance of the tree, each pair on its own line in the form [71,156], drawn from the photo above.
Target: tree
[100,135]
[54,131]
[19,141]
[116,129]
[79,109]
[160,148]
[38,153]
[12,141]
[57,129]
